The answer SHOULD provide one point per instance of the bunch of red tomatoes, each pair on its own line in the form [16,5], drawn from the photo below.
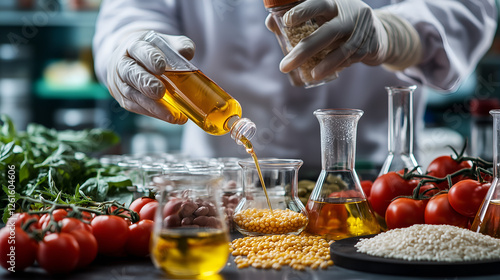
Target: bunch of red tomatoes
[450,192]
[64,238]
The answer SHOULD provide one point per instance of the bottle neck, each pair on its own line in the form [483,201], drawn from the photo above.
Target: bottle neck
[241,129]
[400,120]
[338,130]
[496,142]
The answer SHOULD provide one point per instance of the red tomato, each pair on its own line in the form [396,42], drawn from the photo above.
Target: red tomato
[88,246]
[433,190]
[148,211]
[387,187]
[137,204]
[58,214]
[366,185]
[111,233]
[71,224]
[20,219]
[444,165]
[139,238]
[404,212]
[87,216]
[439,211]
[467,195]
[58,253]
[17,249]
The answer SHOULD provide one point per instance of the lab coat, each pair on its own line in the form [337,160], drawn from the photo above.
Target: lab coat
[237,51]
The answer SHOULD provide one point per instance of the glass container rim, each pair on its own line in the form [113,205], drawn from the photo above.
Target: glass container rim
[400,87]
[338,111]
[271,163]
[494,111]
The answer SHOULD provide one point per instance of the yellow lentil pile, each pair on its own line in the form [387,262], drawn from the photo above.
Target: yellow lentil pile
[265,221]
[275,251]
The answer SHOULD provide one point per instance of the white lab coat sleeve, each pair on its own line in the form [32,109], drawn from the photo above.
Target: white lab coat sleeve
[455,35]
[117,19]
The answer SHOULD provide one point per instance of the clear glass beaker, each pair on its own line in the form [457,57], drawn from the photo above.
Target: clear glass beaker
[190,236]
[337,206]
[287,215]
[400,133]
[487,220]
[232,190]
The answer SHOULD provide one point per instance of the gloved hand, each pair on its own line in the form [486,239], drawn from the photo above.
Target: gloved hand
[354,32]
[130,76]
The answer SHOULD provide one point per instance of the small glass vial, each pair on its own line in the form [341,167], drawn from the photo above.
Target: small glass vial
[487,220]
[337,206]
[275,210]
[198,97]
[400,133]
[290,36]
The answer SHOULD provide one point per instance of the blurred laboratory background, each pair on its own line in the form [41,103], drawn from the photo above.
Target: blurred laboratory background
[47,77]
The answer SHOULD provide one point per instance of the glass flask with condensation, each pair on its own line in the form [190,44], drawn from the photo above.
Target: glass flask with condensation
[400,133]
[198,97]
[487,220]
[337,206]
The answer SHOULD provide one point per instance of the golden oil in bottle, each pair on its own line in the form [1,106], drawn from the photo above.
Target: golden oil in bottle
[490,223]
[189,252]
[337,218]
[200,99]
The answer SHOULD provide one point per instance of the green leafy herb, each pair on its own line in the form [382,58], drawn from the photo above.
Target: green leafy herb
[57,165]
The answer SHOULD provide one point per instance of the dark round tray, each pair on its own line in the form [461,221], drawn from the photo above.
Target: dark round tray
[344,254]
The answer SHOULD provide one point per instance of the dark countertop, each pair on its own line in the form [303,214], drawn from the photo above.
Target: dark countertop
[143,269]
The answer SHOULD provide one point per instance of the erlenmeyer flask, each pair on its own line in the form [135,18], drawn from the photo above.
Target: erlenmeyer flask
[400,130]
[487,220]
[337,206]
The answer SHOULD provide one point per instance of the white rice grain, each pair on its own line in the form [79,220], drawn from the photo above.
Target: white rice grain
[431,243]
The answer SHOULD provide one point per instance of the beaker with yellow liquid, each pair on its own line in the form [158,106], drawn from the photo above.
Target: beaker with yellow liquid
[487,220]
[337,206]
[190,236]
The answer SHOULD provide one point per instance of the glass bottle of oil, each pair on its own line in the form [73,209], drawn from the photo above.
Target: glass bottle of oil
[337,206]
[198,97]
[487,220]
[400,133]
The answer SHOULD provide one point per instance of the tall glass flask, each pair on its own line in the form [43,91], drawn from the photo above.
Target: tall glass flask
[400,133]
[487,220]
[337,206]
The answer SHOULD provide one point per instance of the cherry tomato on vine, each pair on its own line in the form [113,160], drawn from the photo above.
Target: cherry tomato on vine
[387,187]
[111,233]
[71,224]
[366,185]
[25,249]
[88,246]
[58,214]
[445,165]
[405,212]
[439,211]
[148,211]
[137,204]
[467,195]
[139,238]
[20,219]
[58,253]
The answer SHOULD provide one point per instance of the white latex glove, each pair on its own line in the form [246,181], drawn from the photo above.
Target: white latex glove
[130,76]
[354,32]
